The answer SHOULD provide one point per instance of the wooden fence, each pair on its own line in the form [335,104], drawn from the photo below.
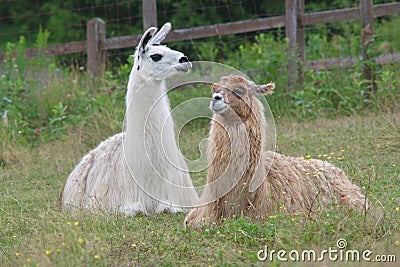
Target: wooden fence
[295,20]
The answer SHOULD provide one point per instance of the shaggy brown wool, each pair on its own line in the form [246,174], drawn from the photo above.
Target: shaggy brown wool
[243,179]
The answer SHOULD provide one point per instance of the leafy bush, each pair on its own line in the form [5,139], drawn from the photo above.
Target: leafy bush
[321,95]
[40,102]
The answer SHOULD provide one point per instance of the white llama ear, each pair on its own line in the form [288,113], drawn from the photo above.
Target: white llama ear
[161,34]
[147,36]
[265,89]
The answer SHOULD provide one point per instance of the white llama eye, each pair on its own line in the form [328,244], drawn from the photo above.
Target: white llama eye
[156,57]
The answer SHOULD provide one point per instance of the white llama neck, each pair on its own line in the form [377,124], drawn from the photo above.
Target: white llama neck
[143,88]
[149,126]
[146,103]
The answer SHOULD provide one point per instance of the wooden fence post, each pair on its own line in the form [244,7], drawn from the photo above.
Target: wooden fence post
[149,11]
[296,48]
[96,39]
[290,31]
[367,32]
[300,35]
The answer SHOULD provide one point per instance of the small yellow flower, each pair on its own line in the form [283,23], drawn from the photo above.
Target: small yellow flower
[28,260]
[397,208]
[308,157]
[397,242]
[340,158]
[342,150]
[133,245]
[316,174]
[329,158]
[332,153]
[96,257]
[123,236]
[325,155]
[17,254]
[97,239]
[48,252]
[80,240]
[233,216]
[319,155]
[68,223]
[76,223]
[203,219]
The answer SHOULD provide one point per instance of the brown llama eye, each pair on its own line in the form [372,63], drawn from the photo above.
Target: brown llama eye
[238,92]
[156,57]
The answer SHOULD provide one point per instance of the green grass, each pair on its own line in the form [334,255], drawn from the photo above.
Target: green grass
[55,116]
[34,232]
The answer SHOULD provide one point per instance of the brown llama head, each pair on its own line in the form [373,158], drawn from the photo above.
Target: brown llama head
[233,96]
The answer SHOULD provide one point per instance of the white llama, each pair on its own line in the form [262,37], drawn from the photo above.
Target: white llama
[140,170]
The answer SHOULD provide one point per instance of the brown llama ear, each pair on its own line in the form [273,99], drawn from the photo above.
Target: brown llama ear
[265,89]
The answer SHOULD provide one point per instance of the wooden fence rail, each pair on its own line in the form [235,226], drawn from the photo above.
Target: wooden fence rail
[348,62]
[97,42]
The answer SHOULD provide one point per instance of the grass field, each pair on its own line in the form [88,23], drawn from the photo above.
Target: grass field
[34,232]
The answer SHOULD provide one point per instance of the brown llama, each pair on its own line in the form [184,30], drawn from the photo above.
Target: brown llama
[243,179]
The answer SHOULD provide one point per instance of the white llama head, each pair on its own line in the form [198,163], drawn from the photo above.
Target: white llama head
[234,94]
[153,59]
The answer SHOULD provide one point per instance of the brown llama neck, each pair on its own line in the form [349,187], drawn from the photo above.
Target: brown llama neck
[237,150]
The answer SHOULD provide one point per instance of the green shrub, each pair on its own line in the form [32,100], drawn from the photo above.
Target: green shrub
[41,102]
